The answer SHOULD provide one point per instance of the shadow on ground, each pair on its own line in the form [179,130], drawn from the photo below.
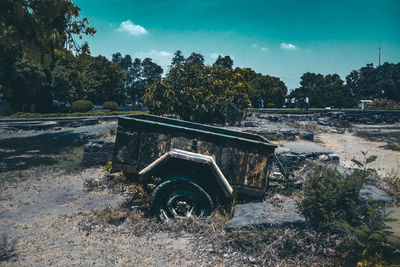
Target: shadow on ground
[25,153]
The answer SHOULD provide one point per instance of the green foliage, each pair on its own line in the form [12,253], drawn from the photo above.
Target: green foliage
[138,74]
[33,36]
[363,82]
[110,105]
[82,106]
[39,29]
[102,80]
[365,161]
[324,91]
[108,166]
[193,91]
[383,104]
[26,84]
[223,62]
[331,202]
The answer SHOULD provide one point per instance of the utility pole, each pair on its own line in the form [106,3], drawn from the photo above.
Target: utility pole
[379,74]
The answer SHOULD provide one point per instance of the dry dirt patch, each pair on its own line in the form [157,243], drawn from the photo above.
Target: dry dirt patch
[349,146]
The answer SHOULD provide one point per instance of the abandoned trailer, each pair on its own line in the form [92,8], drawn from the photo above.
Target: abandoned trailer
[198,164]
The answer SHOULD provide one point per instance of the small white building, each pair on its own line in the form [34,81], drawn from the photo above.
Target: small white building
[362,104]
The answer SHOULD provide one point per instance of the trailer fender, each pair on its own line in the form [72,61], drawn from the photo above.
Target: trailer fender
[205,160]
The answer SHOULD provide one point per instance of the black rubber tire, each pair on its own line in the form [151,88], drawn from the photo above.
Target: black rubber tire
[179,197]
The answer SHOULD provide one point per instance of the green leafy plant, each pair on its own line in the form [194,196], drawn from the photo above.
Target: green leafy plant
[108,166]
[365,161]
[331,203]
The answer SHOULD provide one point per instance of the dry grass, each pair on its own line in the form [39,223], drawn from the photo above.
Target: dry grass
[392,139]
[244,247]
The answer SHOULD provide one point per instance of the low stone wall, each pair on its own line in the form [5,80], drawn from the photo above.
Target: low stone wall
[352,116]
[365,116]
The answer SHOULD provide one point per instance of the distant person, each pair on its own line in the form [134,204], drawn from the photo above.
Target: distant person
[307,102]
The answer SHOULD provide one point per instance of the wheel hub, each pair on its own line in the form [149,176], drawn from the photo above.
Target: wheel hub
[182,207]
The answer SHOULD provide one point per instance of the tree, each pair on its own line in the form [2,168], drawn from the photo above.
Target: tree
[66,79]
[223,62]
[40,29]
[30,85]
[323,91]
[195,58]
[34,34]
[196,92]
[102,80]
[177,60]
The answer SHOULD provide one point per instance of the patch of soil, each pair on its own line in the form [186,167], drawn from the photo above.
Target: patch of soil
[348,147]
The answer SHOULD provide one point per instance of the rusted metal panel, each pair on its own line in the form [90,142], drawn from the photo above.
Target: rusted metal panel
[255,170]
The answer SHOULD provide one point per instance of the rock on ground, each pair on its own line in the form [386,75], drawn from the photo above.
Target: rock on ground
[374,194]
[266,214]
[393,237]
[98,152]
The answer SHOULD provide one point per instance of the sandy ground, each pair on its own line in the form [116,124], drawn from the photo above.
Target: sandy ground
[47,215]
[348,147]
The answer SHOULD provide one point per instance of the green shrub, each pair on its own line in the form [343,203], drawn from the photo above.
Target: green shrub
[331,203]
[110,105]
[82,106]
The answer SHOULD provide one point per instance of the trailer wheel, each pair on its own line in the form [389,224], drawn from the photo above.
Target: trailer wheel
[179,197]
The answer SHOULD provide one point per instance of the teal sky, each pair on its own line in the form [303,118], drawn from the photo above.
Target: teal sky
[283,38]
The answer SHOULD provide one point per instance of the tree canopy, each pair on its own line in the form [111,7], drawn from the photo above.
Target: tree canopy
[194,91]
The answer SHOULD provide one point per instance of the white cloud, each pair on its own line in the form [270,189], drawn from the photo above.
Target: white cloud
[289,46]
[214,55]
[163,58]
[129,27]
[154,54]
[262,48]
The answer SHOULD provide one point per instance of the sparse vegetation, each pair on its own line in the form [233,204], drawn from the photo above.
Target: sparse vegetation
[391,138]
[113,131]
[393,182]
[7,248]
[25,153]
[383,104]
[70,160]
[331,202]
